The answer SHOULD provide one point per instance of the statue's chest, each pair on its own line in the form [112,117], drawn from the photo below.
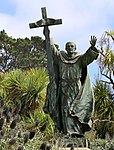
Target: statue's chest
[68,70]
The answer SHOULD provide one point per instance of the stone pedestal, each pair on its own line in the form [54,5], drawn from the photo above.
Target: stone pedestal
[67,141]
[74,149]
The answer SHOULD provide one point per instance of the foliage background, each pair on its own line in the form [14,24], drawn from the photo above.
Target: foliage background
[23,82]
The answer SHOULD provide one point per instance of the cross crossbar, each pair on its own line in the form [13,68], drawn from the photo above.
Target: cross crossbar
[45,21]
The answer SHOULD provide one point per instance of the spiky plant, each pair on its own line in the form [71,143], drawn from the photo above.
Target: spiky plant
[27,88]
[104,110]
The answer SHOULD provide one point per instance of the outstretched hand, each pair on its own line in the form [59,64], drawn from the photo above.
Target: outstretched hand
[93,41]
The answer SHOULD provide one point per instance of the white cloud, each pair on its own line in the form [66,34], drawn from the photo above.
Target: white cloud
[81,19]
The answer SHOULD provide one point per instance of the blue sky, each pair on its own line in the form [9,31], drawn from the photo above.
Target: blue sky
[81,19]
[7,7]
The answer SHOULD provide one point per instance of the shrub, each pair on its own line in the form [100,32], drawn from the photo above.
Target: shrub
[100,144]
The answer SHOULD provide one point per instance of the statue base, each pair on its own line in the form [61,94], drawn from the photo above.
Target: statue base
[78,143]
[74,149]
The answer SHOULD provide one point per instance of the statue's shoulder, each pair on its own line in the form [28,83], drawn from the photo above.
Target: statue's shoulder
[63,52]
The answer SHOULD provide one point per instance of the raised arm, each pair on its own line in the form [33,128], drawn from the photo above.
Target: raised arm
[49,52]
[51,44]
[91,54]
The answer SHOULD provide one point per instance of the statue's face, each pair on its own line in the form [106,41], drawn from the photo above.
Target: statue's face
[70,47]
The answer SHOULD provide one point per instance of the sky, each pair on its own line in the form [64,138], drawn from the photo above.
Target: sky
[80,20]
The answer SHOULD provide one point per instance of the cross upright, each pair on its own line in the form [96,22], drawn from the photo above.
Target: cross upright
[45,22]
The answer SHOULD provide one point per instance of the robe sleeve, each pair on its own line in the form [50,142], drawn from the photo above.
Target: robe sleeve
[53,47]
[90,55]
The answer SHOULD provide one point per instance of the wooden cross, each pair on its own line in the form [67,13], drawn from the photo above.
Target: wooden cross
[45,22]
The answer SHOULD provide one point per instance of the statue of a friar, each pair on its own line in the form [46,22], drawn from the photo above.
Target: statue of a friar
[70,100]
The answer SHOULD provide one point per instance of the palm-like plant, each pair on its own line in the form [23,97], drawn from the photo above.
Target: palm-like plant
[104,106]
[104,110]
[27,88]
[35,87]
[1,84]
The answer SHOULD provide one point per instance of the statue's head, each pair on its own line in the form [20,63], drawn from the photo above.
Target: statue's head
[70,47]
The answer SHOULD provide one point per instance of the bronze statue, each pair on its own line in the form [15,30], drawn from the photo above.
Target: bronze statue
[69,99]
